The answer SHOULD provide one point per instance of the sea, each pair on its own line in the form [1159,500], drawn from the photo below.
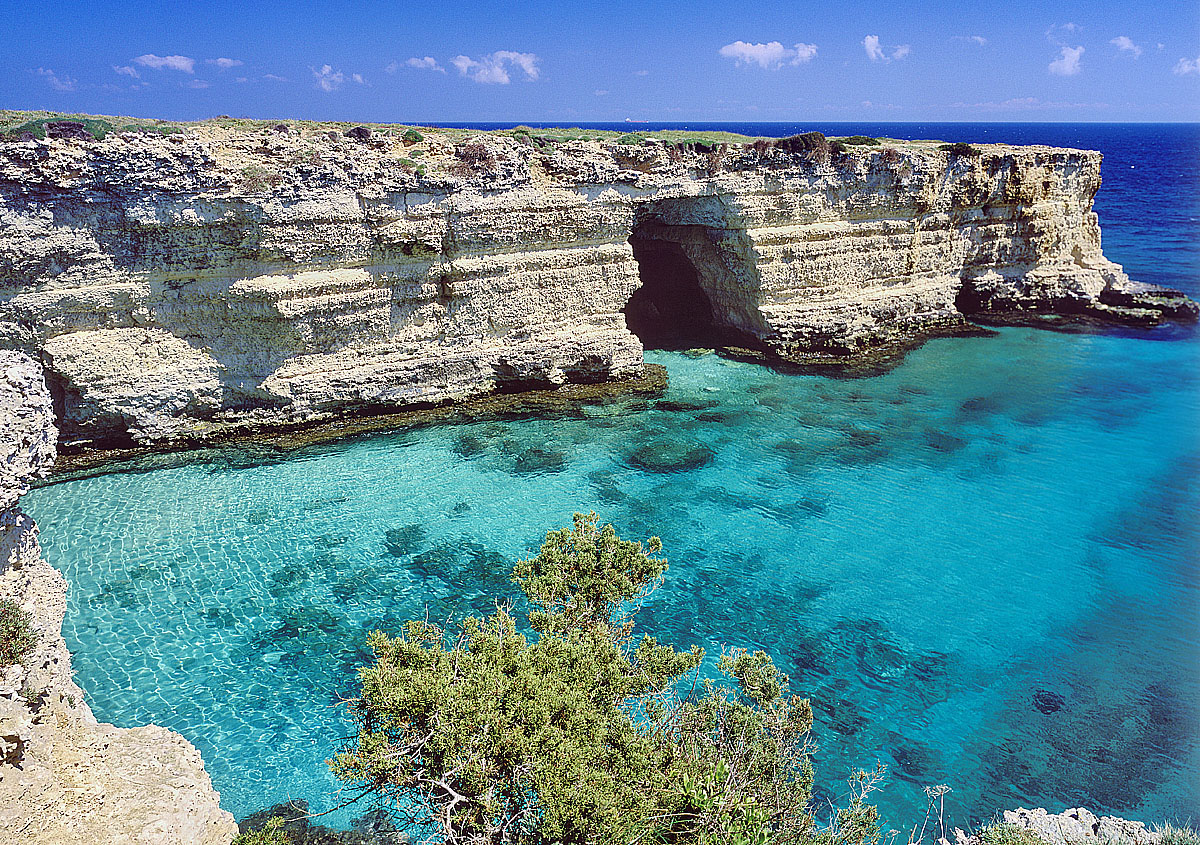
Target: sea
[983,566]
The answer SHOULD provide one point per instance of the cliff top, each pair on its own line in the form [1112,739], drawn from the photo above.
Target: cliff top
[15,125]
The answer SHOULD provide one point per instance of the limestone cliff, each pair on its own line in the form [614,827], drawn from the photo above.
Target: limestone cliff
[64,777]
[175,285]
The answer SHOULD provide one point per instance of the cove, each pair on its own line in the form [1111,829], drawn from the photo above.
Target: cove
[979,565]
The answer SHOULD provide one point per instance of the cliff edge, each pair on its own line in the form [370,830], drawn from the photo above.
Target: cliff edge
[64,777]
[231,273]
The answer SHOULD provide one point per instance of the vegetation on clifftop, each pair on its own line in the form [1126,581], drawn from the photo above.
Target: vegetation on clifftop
[15,125]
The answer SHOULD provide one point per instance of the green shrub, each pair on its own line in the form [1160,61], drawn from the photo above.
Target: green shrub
[412,136]
[17,637]
[632,139]
[579,732]
[861,141]
[960,149]
[1009,834]
[271,833]
[1178,835]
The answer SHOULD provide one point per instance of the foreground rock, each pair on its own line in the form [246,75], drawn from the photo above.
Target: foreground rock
[176,286]
[64,777]
[1081,827]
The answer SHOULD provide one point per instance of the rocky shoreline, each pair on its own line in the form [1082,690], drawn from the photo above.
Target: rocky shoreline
[64,777]
[178,287]
[266,288]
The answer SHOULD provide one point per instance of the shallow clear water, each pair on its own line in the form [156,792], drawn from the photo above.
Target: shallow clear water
[998,527]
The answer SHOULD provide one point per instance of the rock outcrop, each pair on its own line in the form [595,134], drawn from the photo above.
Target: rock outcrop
[174,286]
[64,777]
[1081,827]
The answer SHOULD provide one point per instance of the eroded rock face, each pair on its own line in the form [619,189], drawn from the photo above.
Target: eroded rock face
[1081,827]
[64,777]
[176,285]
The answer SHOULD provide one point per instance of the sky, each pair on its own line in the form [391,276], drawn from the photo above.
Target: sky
[447,60]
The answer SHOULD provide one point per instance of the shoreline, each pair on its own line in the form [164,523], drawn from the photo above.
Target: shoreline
[273,439]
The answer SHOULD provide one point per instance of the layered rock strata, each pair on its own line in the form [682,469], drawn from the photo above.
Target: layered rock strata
[175,285]
[64,777]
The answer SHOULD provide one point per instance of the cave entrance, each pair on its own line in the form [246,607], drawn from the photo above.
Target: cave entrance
[670,310]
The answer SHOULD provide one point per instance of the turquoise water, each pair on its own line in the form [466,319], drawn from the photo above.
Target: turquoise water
[982,565]
[923,551]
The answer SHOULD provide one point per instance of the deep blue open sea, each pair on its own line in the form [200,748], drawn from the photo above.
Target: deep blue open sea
[983,566]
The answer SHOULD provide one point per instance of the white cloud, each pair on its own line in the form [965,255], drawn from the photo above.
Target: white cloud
[242,79]
[58,83]
[126,70]
[274,78]
[180,63]
[1056,32]
[328,79]
[1068,63]
[1186,66]
[978,40]
[877,53]
[198,83]
[424,63]
[600,92]
[641,73]
[804,53]
[391,67]
[493,69]
[226,64]
[771,56]
[1125,44]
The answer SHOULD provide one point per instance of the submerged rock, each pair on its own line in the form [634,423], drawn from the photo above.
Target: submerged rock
[670,455]
[1048,702]
[403,541]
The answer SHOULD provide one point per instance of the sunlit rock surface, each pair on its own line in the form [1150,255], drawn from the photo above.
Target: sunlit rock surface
[175,285]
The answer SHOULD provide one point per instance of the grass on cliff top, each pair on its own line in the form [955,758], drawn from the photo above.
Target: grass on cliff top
[14,123]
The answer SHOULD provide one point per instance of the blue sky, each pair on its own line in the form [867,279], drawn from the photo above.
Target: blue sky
[562,61]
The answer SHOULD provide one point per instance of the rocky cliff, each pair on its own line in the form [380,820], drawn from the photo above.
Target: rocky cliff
[173,286]
[64,777]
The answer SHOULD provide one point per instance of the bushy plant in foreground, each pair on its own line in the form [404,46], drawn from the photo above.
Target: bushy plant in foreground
[580,732]
[17,637]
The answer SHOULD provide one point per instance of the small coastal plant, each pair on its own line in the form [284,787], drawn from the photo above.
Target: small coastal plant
[1176,834]
[960,149]
[272,833]
[473,156]
[256,178]
[1008,834]
[17,637]
[570,729]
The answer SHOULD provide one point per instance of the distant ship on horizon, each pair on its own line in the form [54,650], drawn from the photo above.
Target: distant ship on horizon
[631,120]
